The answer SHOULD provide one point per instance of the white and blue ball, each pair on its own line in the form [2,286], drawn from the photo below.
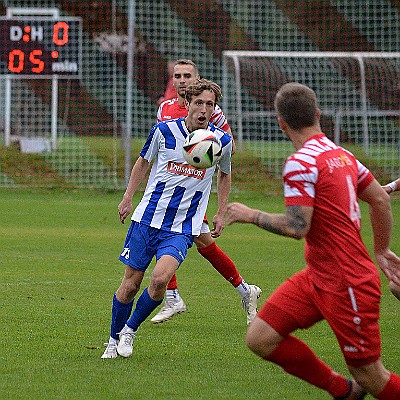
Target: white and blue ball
[202,149]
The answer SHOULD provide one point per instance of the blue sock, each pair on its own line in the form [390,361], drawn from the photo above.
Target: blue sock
[144,307]
[119,315]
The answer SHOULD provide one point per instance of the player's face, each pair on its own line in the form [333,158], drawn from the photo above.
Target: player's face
[200,110]
[183,76]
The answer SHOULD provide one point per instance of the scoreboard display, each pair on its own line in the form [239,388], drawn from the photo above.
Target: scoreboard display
[42,47]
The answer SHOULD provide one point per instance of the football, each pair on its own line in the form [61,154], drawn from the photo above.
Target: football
[202,149]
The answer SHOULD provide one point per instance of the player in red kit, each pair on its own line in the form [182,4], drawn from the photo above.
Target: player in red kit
[341,284]
[170,91]
[184,73]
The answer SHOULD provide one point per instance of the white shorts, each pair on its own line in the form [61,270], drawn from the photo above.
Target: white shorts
[204,228]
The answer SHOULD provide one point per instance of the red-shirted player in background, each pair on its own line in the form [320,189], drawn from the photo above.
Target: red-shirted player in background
[184,73]
[170,91]
[340,284]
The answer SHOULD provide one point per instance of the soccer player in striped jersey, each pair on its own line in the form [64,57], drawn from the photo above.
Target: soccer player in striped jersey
[184,73]
[169,215]
[341,284]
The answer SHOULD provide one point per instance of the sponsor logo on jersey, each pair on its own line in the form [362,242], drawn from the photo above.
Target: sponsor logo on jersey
[186,169]
[338,162]
[350,349]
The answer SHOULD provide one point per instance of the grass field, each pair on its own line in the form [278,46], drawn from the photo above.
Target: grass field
[99,162]
[59,270]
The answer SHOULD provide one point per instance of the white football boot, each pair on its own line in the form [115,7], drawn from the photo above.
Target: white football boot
[111,350]
[249,303]
[126,338]
[169,310]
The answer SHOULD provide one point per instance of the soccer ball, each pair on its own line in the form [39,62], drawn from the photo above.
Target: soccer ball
[202,149]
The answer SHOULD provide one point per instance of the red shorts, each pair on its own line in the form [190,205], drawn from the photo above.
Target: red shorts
[352,314]
[205,220]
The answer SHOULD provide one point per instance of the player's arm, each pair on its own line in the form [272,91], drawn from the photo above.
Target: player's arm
[229,132]
[138,174]
[224,188]
[381,220]
[380,214]
[392,186]
[295,223]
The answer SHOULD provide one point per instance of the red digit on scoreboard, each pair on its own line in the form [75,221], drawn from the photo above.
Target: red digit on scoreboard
[63,28]
[16,60]
[36,61]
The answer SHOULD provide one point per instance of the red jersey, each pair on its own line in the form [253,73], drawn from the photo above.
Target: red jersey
[328,178]
[171,109]
[170,91]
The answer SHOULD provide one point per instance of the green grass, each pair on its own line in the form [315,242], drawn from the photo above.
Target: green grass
[98,162]
[59,270]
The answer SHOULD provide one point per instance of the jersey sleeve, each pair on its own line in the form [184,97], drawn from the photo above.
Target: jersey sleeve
[365,177]
[299,182]
[225,163]
[151,147]
[218,119]
[159,112]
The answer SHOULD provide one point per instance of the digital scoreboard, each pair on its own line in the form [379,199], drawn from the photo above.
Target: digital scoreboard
[43,47]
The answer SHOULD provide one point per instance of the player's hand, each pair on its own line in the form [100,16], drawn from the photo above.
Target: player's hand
[233,146]
[392,186]
[387,189]
[218,224]
[389,263]
[124,209]
[395,289]
[238,212]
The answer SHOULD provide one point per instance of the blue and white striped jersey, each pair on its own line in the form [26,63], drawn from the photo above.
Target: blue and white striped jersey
[177,194]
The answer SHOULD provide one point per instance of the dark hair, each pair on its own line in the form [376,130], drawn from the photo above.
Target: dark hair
[199,86]
[184,61]
[297,105]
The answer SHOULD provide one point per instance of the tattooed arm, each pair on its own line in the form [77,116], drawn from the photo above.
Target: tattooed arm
[295,223]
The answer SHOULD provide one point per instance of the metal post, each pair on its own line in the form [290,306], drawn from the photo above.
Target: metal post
[338,122]
[7,117]
[238,103]
[129,89]
[54,112]
[364,105]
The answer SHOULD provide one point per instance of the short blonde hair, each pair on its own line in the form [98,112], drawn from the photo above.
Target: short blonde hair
[185,61]
[199,86]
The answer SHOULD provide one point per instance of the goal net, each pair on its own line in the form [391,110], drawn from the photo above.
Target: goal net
[358,93]
[111,60]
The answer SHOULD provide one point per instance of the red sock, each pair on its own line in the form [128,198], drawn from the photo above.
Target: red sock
[392,389]
[222,263]
[297,359]
[172,284]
